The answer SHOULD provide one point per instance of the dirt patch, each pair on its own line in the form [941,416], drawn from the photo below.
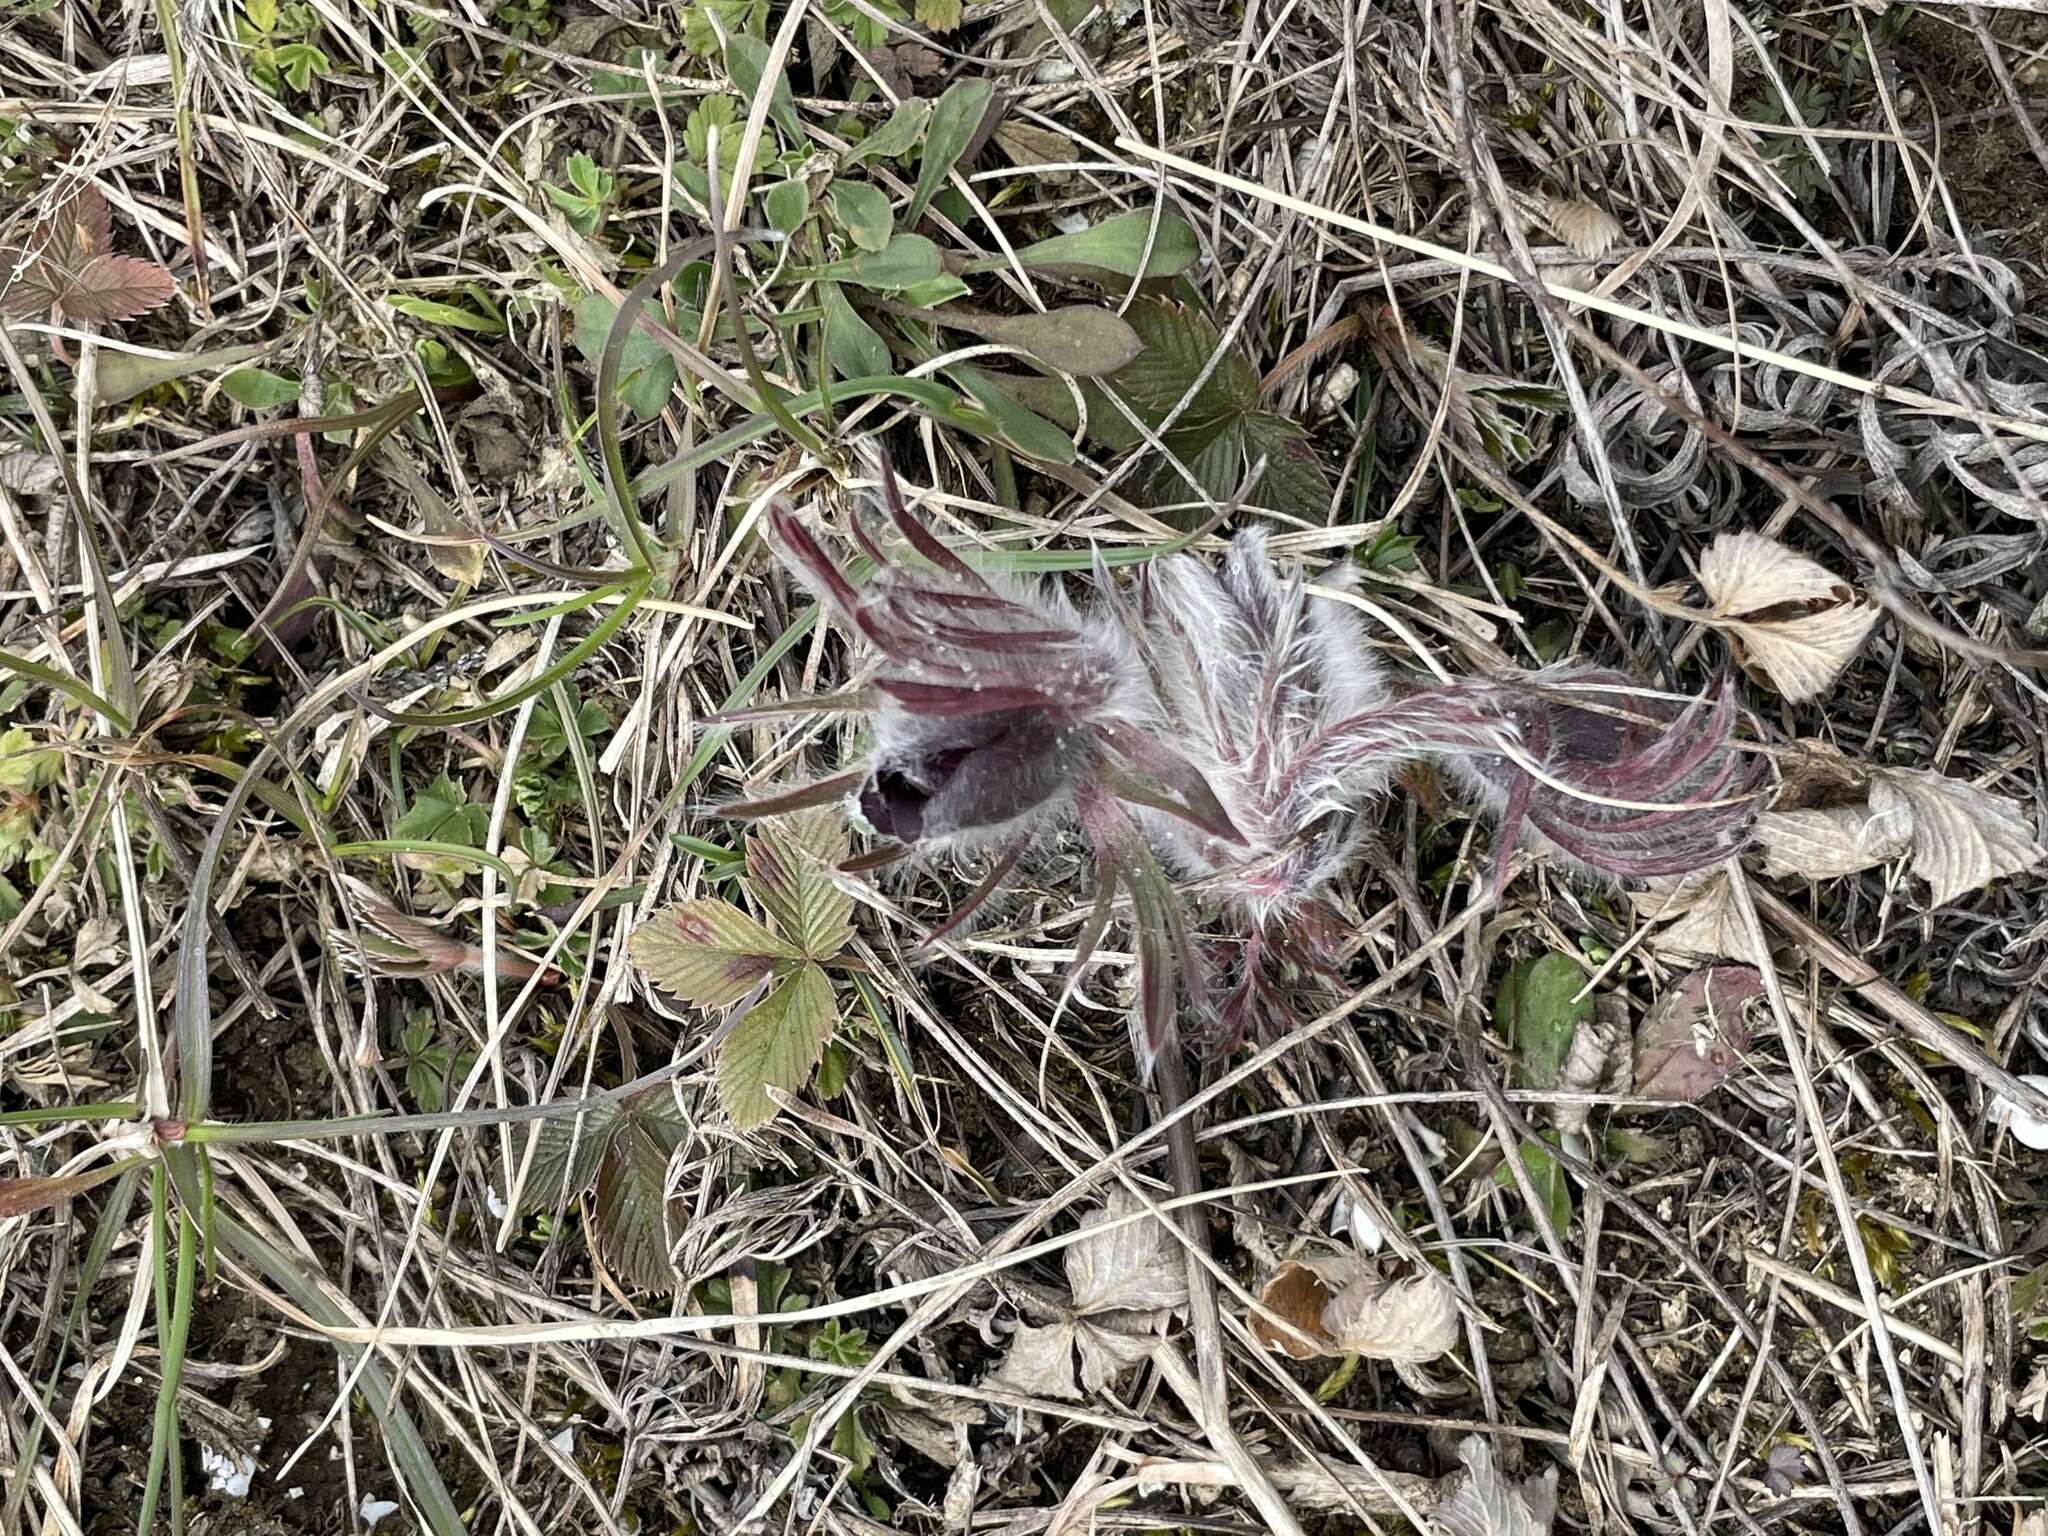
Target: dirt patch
[2000,188]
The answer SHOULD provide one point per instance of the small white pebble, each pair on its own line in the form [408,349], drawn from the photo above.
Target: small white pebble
[565,1442]
[495,1202]
[295,1493]
[2026,1130]
[376,1509]
[1351,1216]
[227,1472]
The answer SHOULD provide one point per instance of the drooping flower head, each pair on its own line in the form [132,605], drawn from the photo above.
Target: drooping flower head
[999,710]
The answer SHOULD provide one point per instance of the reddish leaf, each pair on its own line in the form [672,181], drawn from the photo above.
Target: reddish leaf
[1694,1035]
[117,288]
[18,1197]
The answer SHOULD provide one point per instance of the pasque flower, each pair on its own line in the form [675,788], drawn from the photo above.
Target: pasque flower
[997,710]
[1238,729]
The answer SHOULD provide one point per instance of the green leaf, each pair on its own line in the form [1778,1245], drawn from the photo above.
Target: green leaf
[713,111]
[1115,246]
[776,1045]
[124,375]
[446,314]
[746,60]
[1080,339]
[636,1219]
[896,137]
[565,1158]
[647,374]
[904,261]
[832,1069]
[260,389]
[851,345]
[444,813]
[299,63]
[937,15]
[1213,454]
[1552,1187]
[955,121]
[786,203]
[586,177]
[863,211]
[709,953]
[548,741]
[1294,482]
[1027,433]
[1546,1014]
[943,289]
[790,863]
[1179,341]
[25,767]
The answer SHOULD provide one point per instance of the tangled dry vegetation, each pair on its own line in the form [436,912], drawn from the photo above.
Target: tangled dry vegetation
[422,1106]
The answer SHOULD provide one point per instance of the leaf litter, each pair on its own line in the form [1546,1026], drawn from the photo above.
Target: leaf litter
[864,1136]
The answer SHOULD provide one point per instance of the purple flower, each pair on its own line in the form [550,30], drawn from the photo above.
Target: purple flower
[998,711]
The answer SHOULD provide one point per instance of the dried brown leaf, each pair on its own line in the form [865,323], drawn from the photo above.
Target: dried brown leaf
[1963,837]
[1819,844]
[1133,1267]
[1699,914]
[1794,623]
[1586,227]
[1693,1036]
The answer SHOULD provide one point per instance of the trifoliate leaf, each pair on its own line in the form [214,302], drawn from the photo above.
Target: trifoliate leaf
[1793,622]
[790,864]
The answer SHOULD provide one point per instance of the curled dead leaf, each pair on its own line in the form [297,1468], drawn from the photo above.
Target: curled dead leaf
[1346,1305]
[1962,836]
[1793,623]
[1820,844]
[1699,915]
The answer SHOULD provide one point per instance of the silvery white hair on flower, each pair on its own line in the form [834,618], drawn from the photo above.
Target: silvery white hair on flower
[1236,727]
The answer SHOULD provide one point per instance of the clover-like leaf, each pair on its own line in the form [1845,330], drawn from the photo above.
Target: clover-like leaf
[708,953]
[67,265]
[776,1044]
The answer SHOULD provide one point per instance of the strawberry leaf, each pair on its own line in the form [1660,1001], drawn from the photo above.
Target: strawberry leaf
[709,953]
[117,288]
[636,1217]
[566,1158]
[789,870]
[776,1045]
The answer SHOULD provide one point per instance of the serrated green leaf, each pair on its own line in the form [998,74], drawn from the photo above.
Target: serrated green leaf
[786,203]
[259,389]
[790,864]
[1546,1014]
[955,121]
[565,1158]
[863,211]
[1214,455]
[443,813]
[636,1219]
[708,953]
[852,346]
[1115,246]
[1294,482]
[776,1045]
[898,136]
[1179,341]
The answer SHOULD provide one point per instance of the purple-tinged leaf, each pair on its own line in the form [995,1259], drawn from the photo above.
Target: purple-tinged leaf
[1693,1037]
[637,1220]
[117,288]
[709,953]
